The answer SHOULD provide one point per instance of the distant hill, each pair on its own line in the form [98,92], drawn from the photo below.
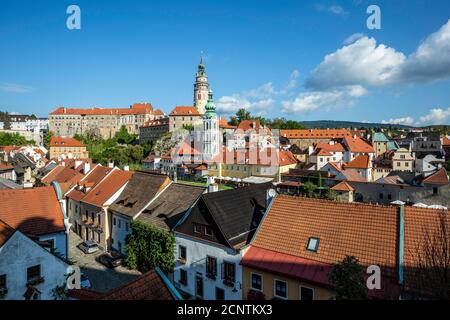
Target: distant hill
[331,124]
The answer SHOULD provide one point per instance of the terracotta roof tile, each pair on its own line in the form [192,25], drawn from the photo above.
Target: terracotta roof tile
[185,111]
[223,123]
[358,145]
[343,186]
[365,231]
[5,232]
[439,177]
[136,109]
[33,211]
[316,133]
[360,162]
[107,187]
[337,147]
[65,142]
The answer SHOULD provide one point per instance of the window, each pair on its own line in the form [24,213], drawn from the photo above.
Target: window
[281,289]
[120,222]
[435,190]
[306,293]
[114,221]
[313,244]
[208,231]
[381,196]
[33,273]
[220,294]
[182,254]
[126,226]
[2,281]
[183,277]
[197,228]
[256,281]
[228,272]
[389,196]
[211,267]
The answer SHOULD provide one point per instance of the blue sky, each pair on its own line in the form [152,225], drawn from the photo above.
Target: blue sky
[268,56]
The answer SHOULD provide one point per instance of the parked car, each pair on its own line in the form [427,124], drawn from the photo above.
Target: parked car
[88,247]
[84,281]
[110,260]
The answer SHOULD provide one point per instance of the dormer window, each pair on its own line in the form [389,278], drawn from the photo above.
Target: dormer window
[313,244]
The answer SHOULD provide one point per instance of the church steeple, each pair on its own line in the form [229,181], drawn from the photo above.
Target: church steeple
[210,107]
[211,132]
[201,87]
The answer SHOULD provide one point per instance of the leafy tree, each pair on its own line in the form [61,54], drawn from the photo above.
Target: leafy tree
[124,137]
[188,127]
[243,114]
[148,247]
[347,277]
[309,188]
[47,138]
[233,121]
[14,139]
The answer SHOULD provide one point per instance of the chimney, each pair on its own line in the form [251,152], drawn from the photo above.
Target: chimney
[214,187]
[87,167]
[270,194]
[110,164]
[126,168]
[27,185]
[78,163]
[310,150]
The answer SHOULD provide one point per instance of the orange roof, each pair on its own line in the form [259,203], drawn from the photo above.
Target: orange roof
[107,187]
[223,123]
[366,231]
[157,122]
[445,141]
[343,186]
[358,145]
[158,112]
[5,233]
[420,224]
[65,142]
[90,180]
[439,177]
[135,109]
[5,166]
[351,175]
[337,147]
[33,211]
[8,149]
[185,111]
[322,152]
[286,158]
[360,162]
[249,125]
[315,133]
[37,150]
[336,165]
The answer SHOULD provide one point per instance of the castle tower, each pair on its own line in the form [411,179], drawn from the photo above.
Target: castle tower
[211,134]
[201,88]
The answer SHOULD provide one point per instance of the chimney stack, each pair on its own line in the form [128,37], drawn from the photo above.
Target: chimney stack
[87,167]
[111,164]
[126,168]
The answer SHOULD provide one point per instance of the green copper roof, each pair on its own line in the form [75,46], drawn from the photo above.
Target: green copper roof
[210,106]
[392,145]
[379,137]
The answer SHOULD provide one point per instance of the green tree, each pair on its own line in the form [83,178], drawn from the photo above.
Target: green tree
[47,138]
[347,277]
[243,114]
[148,247]
[124,137]
[309,188]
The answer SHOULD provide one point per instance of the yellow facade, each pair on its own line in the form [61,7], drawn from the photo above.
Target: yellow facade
[293,286]
[69,152]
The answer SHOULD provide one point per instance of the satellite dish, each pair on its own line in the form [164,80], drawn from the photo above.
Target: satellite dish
[271,193]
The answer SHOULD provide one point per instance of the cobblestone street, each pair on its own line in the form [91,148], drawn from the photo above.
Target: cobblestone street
[102,278]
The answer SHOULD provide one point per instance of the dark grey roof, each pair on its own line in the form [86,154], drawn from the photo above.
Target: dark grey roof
[8,184]
[238,212]
[166,210]
[21,161]
[44,171]
[142,187]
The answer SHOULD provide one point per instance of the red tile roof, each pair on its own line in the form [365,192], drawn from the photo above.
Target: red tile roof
[337,147]
[149,286]
[97,174]
[440,177]
[135,109]
[358,145]
[343,186]
[351,175]
[5,232]
[445,141]
[5,166]
[33,211]
[368,232]
[249,125]
[157,122]
[107,187]
[65,142]
[223,123]
[185,111]
[158,112]
[360,162]
[316,133]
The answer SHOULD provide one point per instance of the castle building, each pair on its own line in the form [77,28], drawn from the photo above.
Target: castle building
[201,88]
[211,136]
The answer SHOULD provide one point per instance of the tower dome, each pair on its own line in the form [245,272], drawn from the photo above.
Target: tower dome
[210,106]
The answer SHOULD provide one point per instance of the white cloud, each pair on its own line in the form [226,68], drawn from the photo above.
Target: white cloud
[431,61]
[360,63]
[354,37]
[436,116]
[405,121]
[313,100]
[262,92]
[334,9]
[15,88]
[366,63]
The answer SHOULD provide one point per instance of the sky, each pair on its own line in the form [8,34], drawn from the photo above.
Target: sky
[302,60]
